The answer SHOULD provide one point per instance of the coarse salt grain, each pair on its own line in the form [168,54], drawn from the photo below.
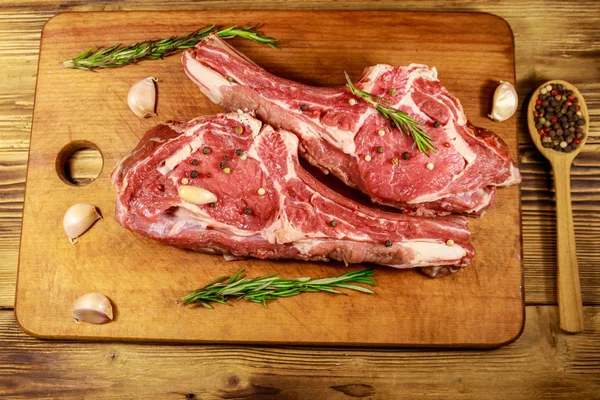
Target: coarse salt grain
[381,132]
[261,192]
[185,181]
[352,102]
[367,158]
[429,166]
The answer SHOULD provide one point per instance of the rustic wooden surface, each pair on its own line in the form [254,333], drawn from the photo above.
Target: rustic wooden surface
[553,39]
[413,309]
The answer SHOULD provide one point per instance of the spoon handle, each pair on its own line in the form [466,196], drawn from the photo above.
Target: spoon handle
[569,291]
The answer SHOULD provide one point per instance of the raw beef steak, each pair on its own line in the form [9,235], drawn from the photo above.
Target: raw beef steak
[267,205]
[341,134]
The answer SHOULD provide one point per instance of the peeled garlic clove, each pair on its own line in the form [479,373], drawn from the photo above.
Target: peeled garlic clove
[505,102]
[142,98]
[78,219]
[94,308]
[196,195]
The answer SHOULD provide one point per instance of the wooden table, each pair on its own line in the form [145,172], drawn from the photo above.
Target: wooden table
[553,39]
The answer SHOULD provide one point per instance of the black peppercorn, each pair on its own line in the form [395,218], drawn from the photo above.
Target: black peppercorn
[436,124]
[205,150]
[247,211]
[223,165]
[194,162]
[225,158]
[304,107]
[239,152]
[406,155]
[194,174]
[379,150]
[332,223]
[388,243]
[212,205]
[581,122]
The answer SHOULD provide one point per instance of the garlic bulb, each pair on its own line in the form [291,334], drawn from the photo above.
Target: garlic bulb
[505,102]
[94,308]
[142,98]
[196,195]
[78,219]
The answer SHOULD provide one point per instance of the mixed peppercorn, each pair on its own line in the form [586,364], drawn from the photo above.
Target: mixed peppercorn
[558,118]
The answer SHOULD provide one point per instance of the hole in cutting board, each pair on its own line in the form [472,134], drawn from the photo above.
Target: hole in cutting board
[79,163]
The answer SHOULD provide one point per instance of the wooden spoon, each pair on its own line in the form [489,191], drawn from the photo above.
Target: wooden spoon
[569,292]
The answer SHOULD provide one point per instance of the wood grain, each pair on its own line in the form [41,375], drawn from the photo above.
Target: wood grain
[573,60]
[544,363]
[569,289]
[125,267]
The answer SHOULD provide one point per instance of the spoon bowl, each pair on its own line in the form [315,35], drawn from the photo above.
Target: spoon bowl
[550,153]
[569,291]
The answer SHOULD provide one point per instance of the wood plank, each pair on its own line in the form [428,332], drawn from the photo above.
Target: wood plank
[543,363]
[20,27]
[489,289]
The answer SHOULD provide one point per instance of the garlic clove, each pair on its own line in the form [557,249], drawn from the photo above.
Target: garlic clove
[196,195]
[505,102]
[79,218]
[142,98]
[94,308]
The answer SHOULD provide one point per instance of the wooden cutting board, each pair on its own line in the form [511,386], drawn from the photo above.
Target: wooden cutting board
[482,306]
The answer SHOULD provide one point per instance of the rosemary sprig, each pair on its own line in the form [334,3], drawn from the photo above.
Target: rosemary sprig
[119,55]
[398,118]
[261,290]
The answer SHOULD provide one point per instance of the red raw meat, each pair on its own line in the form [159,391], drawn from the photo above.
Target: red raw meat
[296,216]
[340,135]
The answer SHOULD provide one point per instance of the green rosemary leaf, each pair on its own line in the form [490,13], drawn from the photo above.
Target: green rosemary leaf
[355,287]
[397,118]
[268,288]
[120,55]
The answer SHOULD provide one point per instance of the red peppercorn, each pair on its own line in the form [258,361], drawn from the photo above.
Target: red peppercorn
[576,141]
[544,135]
[568,103]
[538,101]
[554,92]
[571,97]
[541,131]
[446,144]
[577,108]
[554,119]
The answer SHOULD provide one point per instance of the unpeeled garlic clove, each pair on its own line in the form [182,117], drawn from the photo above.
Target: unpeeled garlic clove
[79,218]
[505,102]
[196,195]
[94,308]
[142,98]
